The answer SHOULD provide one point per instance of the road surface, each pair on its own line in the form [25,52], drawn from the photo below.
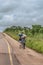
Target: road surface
[6,53]
[11,54]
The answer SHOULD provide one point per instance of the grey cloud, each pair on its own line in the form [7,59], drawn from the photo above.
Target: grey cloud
[24,12]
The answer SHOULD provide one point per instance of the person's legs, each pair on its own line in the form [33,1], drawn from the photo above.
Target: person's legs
[20,45]
[23,45]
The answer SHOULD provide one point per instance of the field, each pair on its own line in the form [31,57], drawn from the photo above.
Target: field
[33,41]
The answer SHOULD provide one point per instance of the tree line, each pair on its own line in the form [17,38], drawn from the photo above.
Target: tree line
[28,31]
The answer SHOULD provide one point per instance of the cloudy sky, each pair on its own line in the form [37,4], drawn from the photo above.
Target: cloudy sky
[20,12]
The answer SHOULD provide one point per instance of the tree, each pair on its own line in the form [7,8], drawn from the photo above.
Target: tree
[36,28]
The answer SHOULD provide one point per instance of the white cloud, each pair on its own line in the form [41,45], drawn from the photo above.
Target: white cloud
[8,18]
[34,19]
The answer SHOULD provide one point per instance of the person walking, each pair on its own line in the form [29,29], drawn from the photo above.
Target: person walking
[22,39]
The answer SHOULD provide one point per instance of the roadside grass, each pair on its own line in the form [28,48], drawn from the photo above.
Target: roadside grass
[12,34]
[35,42]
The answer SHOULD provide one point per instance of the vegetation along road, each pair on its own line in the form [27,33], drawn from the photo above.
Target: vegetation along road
[11,54]
[34,40]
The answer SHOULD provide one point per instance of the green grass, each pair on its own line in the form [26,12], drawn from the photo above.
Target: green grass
[12,34]
[34,42]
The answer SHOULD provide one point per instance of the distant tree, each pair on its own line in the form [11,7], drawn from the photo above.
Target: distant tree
[36,28]
[33,32]
[41,30]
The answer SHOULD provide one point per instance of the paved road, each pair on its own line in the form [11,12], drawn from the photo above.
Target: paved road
[6,52]
[11,54]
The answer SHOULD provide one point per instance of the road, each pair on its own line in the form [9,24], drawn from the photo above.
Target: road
[11,54]
[6,54]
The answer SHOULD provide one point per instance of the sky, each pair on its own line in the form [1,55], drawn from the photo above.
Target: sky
[20,12]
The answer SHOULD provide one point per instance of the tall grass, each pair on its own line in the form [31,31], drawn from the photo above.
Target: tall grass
[34,42]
